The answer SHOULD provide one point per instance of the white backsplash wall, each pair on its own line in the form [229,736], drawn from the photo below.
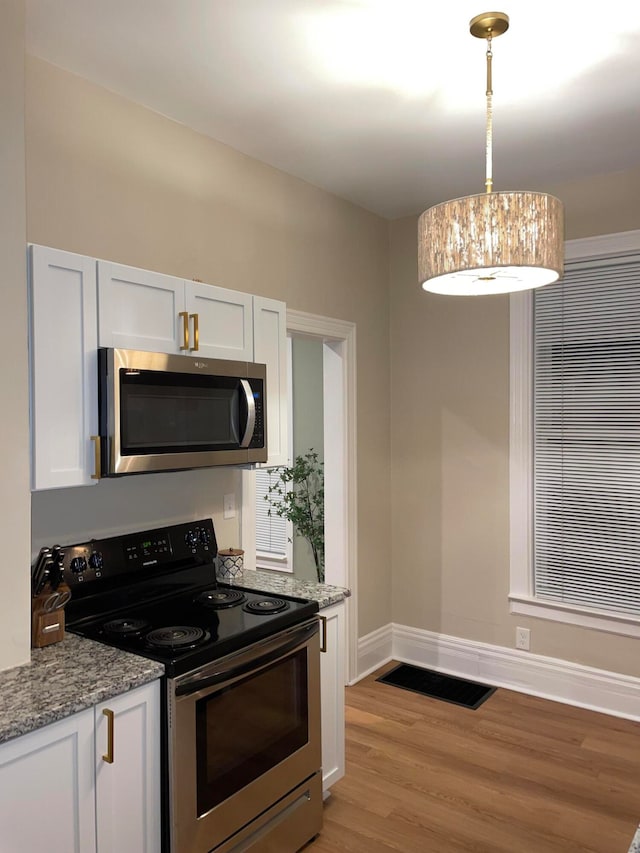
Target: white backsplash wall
[139,502]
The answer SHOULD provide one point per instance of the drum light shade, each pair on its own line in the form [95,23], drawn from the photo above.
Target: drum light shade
[491,243]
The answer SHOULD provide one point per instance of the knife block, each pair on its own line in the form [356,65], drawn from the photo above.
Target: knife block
[47,627]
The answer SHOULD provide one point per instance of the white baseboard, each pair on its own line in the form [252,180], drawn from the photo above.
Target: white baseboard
[550,678]
[374,650]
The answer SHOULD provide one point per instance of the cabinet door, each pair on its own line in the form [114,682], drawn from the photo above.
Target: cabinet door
[128,789]
[223,319]
[332,695]
[270,348]
[64,371]
[46,779]
[139,309]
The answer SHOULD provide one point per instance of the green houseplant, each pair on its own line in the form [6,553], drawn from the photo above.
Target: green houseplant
[298,496]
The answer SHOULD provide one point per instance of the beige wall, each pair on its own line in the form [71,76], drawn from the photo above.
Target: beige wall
[450,448]
[110,179]
[14,424]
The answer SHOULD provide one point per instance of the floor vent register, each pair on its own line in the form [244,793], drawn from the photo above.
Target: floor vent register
[448,688]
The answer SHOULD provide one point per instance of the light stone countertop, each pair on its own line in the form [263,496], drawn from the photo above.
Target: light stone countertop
[64,678]
[635,842]
[286,584]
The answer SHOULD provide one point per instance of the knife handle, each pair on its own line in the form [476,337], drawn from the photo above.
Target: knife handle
[38,571]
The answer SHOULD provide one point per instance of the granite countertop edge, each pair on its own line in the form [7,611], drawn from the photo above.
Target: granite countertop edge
[65,678]
[265,580]
[635,842]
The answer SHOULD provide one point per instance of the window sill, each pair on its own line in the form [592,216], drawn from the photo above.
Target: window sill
[279,564]
[568,614]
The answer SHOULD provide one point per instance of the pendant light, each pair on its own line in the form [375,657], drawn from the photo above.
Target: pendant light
[491,242]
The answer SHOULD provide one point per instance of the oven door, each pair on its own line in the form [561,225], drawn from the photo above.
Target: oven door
[244,733]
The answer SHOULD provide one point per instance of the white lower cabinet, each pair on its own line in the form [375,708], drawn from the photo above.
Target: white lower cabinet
[59,795]
[47,785]
[332,679]
[128,787]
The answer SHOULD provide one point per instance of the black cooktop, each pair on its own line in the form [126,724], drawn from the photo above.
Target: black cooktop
[155,594]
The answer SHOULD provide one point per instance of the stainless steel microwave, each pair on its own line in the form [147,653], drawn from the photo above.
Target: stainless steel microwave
[161,412]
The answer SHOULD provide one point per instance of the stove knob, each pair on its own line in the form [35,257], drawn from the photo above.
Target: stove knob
[95,560]
[191,538]
[78,565]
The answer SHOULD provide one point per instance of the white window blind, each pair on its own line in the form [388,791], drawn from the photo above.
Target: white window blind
[587,437]
[272,532]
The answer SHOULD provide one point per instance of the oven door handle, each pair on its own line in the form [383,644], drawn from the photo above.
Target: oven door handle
[248,660]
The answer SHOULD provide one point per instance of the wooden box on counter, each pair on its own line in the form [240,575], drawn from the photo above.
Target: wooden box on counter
[47,616]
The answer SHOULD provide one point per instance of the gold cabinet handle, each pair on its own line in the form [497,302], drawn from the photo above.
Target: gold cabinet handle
[97,466]
[196,333]
[108,756]
[185,330]
[323,642]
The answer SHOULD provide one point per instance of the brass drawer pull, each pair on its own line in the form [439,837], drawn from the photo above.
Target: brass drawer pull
[185,330]
[196,333]
[108,756]
[96,448]
[323,642]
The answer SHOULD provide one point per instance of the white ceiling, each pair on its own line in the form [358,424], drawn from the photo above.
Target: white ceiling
[379,101]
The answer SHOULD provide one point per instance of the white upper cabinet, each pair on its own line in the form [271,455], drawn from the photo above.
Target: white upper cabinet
[64,369]
[223,321]
[270,348]
[143,310]
[138,309]
[78,304]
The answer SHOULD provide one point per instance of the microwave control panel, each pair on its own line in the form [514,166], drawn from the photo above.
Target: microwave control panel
[257,387]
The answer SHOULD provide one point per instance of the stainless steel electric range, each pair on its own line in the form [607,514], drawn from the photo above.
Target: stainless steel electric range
[241,752]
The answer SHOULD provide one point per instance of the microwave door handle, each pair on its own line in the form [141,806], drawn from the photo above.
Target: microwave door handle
[251,414]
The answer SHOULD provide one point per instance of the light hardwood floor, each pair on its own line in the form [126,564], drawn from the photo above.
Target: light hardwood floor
[518,775]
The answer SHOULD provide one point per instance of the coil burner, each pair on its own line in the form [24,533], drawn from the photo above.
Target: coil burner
[266,606]
[125,628]
[219,599]
[177,637]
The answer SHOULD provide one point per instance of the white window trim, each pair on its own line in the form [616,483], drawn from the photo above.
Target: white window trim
[521,598]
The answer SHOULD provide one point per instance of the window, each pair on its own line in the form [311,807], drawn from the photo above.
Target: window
[273,534]
[575,456]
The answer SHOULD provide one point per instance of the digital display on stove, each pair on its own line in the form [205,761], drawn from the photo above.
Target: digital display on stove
[147,551]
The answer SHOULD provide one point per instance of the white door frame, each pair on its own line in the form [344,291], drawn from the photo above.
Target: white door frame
[342,546]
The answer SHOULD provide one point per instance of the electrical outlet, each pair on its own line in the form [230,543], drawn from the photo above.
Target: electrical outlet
[229,506]
[522,638]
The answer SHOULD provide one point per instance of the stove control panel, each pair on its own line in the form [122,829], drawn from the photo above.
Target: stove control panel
[163,548]
[197,538]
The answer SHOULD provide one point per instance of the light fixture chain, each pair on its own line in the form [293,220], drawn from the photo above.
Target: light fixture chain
[489,143]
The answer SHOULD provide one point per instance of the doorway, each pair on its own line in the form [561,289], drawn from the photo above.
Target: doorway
[339,415]
[338,353]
